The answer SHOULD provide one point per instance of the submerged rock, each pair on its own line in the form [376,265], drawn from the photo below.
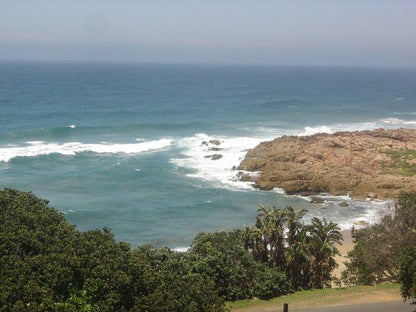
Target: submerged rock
[215,142]
[215,149]
[317,200]
[214,157]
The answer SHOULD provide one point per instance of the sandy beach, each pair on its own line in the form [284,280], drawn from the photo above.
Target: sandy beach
[346,246]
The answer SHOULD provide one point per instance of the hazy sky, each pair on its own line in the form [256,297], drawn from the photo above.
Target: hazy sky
[309,32]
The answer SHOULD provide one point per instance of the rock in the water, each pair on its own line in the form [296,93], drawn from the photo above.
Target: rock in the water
[344,204]
[215,142]
[245,177]
[214,157]
[317,200]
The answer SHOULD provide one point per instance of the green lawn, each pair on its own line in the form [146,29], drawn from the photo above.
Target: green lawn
[324,297]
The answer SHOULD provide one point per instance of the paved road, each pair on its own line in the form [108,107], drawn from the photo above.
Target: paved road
[392,306]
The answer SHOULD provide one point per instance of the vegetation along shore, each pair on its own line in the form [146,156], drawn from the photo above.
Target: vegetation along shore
[47,264]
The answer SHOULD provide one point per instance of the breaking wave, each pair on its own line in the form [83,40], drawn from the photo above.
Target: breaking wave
[37,148]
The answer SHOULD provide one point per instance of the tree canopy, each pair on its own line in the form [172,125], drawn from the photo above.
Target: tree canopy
[385,251]
[48,265]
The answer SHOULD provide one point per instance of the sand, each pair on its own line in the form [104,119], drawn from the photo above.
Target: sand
[347,245]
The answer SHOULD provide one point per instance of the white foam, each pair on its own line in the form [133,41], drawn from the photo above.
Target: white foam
[279,190]
[397,121]
[372,212]
[195,155]
[358,213]
[315,130]
[37,148]
[197,152]
[72,126]
[360,126]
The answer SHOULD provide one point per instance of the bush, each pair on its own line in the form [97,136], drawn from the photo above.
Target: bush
[272,283]
[407,276]
[222,257]
[375,256]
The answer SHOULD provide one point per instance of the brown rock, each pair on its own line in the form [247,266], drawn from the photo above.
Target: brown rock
[362,162]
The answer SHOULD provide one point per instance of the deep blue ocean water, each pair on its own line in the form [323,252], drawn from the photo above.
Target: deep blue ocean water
[122,146]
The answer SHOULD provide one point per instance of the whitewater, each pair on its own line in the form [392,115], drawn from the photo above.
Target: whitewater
[151,151]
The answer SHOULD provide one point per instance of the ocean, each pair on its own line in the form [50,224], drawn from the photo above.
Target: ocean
[130,146]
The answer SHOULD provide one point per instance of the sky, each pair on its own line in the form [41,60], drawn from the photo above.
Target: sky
[293,32]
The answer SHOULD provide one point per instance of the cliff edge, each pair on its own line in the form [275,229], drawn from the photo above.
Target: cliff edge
[378,163]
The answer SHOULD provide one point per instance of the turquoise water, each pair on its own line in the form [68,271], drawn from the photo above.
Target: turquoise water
[122,146]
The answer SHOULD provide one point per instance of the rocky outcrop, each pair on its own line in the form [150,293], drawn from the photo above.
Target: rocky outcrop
[377,164]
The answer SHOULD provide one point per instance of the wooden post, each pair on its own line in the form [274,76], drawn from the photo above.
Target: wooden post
[286,307]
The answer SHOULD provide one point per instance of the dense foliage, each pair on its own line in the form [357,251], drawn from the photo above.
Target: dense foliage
[385,251]
[407,274]
[222,257]
[48,265]
[304,252]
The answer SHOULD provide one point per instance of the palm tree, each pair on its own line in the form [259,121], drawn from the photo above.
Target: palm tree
[294,224]
[254,242]
[266,239]
[322,237]
[298,261]
[272,221]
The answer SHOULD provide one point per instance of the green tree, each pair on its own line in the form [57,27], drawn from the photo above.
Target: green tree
[298,261]
[222,257]
[47,265]
[306,253]
[38,258]
[271,282]
[323,236]
[297,253]
[375,256]
[79,301]
[266,239]
[104,270]
[169,284]
[407,275]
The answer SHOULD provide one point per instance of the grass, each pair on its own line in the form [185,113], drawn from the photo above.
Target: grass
[322,297]
[403,162]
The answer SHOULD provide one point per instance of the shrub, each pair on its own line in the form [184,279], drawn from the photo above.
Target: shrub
[407,276]
[272,282]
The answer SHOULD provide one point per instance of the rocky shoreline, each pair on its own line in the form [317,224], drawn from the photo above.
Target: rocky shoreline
[364,164]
